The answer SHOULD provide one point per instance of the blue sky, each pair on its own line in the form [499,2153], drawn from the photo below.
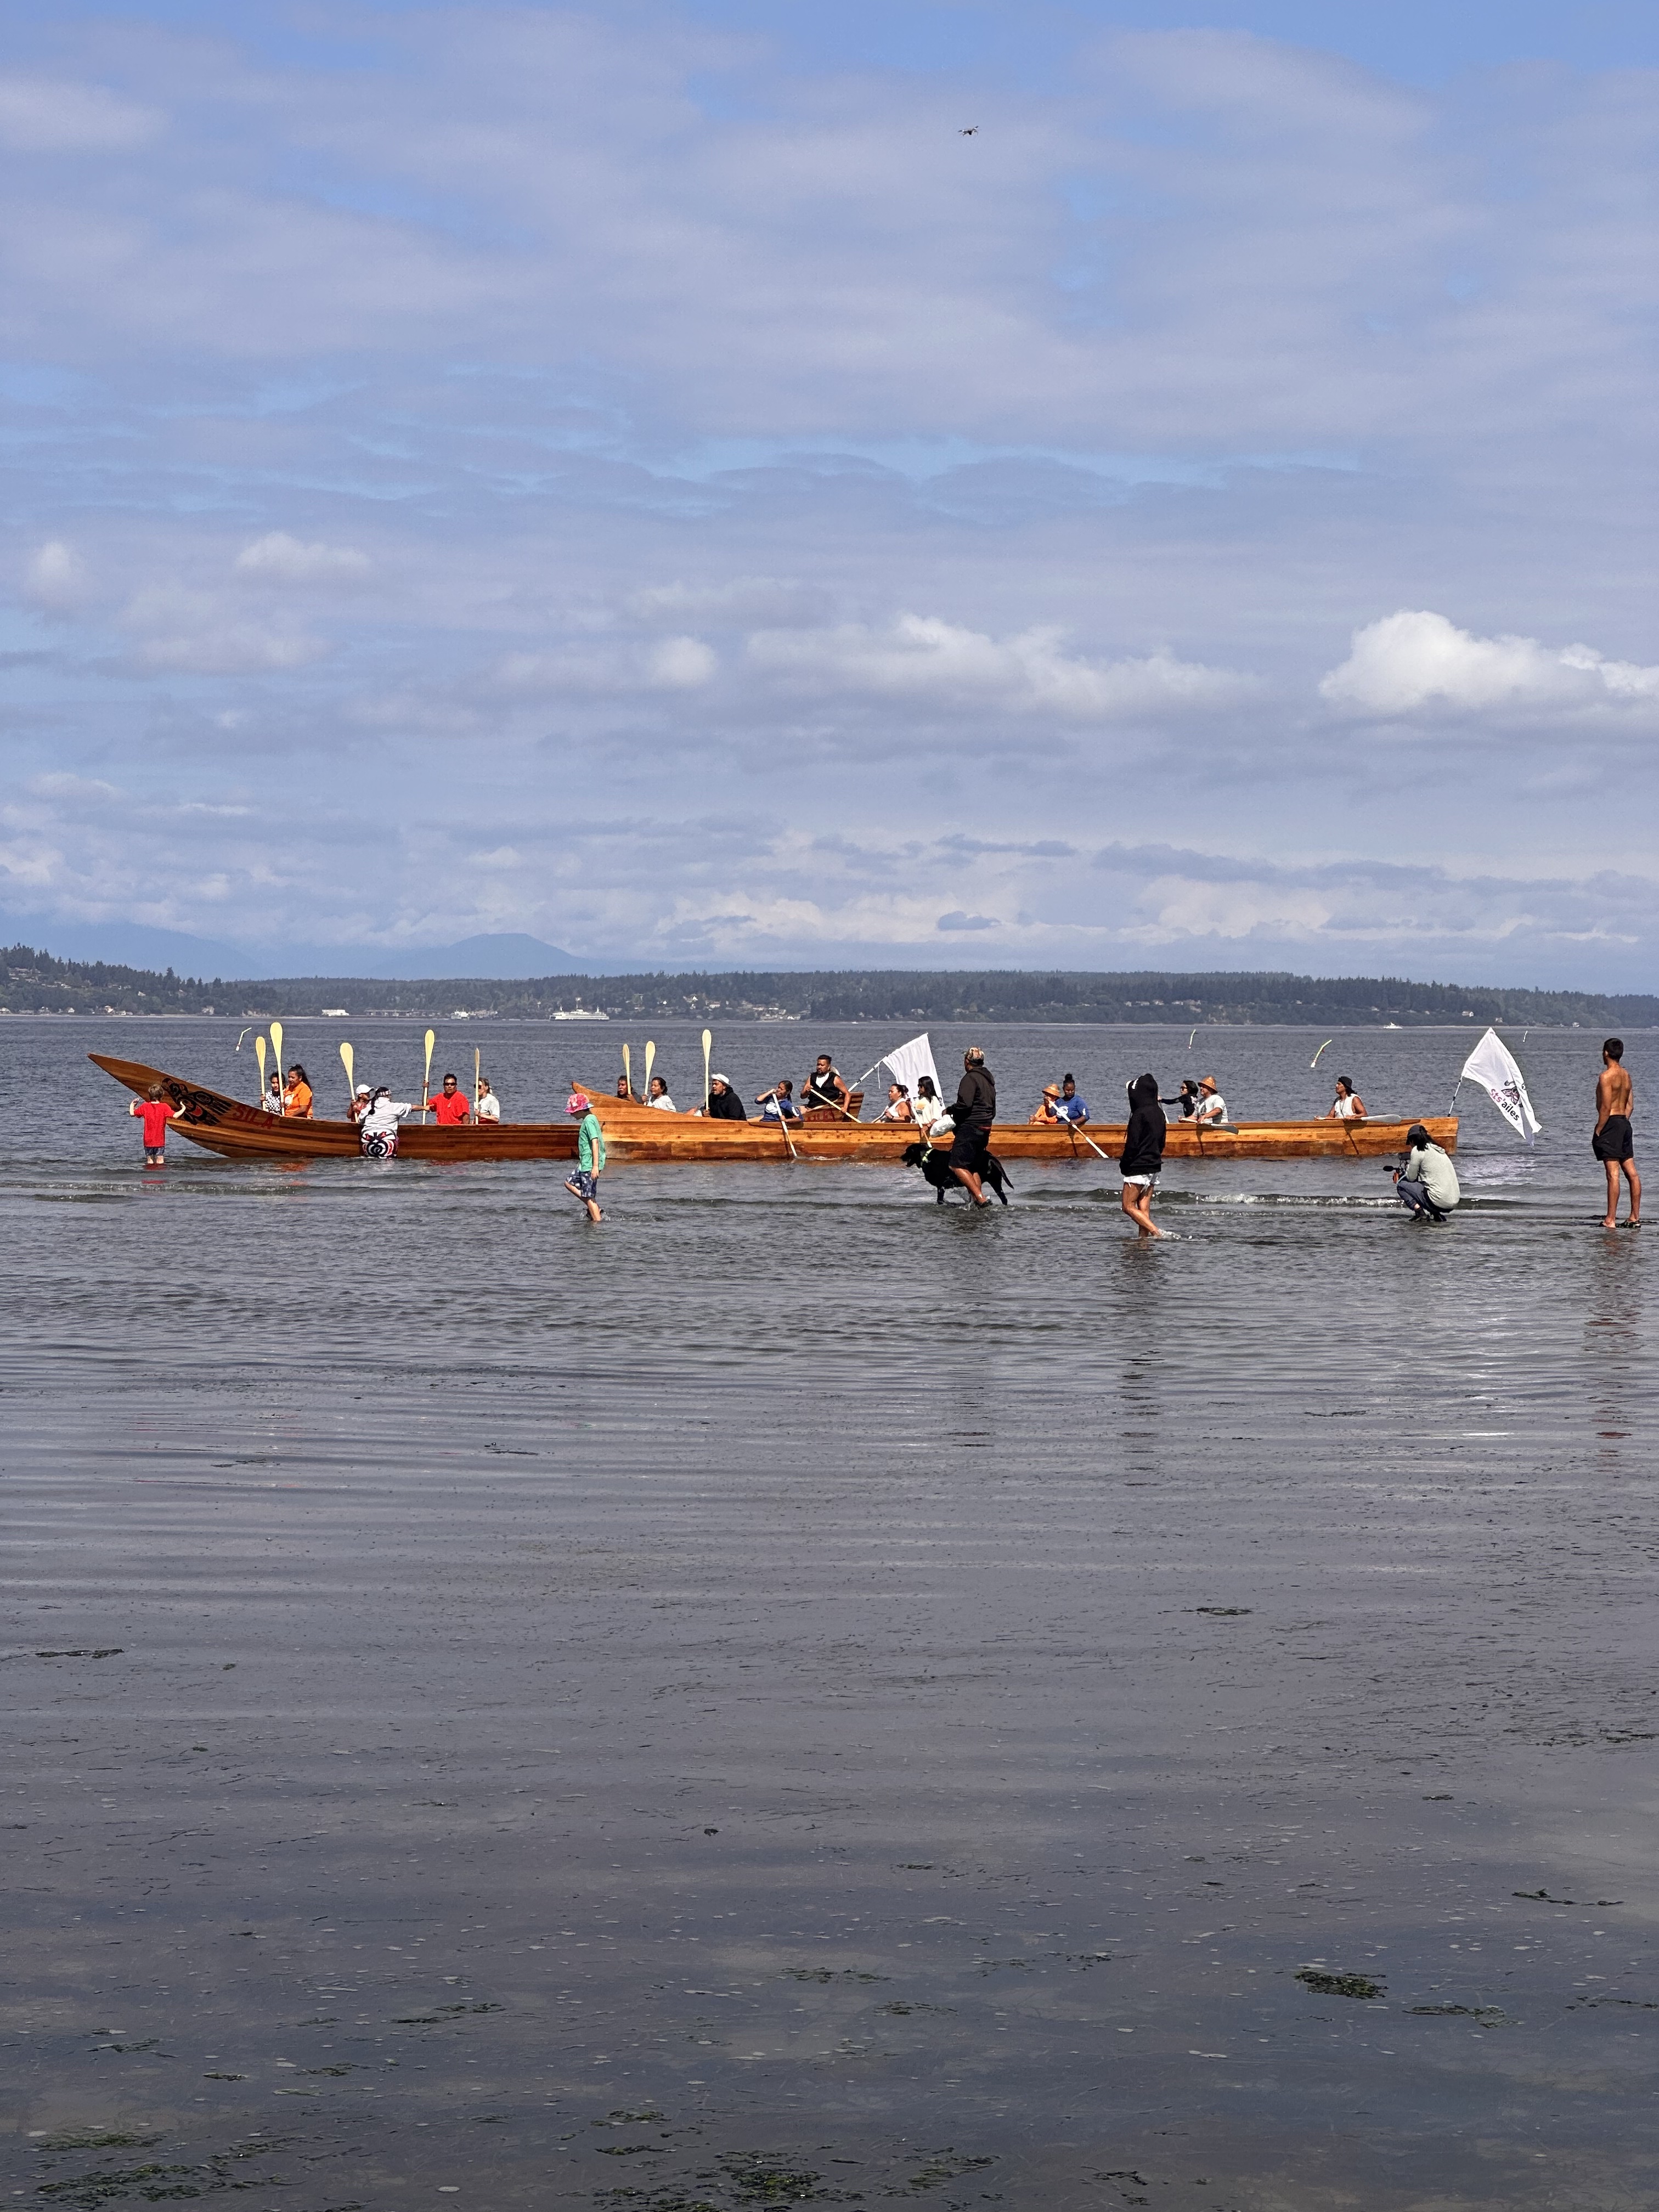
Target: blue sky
[646,477]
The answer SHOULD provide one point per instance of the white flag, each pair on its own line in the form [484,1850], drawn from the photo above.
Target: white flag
[1493,1066]
[909,1061]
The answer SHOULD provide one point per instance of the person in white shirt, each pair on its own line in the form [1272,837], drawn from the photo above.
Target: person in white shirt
[487,1107]
[898,1103]
[270,1100]
[377,1133]
[1212,1106]
[660,1098]
[927,1106]
[1349,1106]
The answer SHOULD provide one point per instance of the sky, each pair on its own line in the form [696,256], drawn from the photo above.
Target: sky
[752,485]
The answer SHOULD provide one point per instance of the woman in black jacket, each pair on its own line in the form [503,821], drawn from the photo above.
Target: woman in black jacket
[1142,1156]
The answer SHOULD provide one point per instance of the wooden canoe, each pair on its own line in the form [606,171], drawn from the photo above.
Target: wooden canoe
[245,1132]
[642,1133]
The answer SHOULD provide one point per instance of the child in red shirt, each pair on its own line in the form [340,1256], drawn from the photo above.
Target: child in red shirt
[155,1114]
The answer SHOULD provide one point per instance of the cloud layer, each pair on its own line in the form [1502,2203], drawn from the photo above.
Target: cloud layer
[599,475]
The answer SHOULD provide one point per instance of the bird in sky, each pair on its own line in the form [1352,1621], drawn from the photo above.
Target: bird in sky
[970,131]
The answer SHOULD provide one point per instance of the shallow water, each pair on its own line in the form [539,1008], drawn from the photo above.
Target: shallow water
[800,1694]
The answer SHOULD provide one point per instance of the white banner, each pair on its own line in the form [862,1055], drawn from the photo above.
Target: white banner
[909,1061]
[1494,1068]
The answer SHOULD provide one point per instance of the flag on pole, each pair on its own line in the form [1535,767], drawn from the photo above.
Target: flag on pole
[1494,1068]
[909,1061]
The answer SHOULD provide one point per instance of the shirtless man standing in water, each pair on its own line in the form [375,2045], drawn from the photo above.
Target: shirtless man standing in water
[1611,1143]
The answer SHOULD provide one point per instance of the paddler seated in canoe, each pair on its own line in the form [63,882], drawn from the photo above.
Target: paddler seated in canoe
[926,1108]
[1186,1098]
[377,1132]
[271,1098]
[359,1106]
[296,1098]
[1212,1106]
[778,1105]
[659,1097]
[1072,1107]
[823,1086]
[724,1103]
[625,1089]
[1047,1107]
[898,1108]
[1349,1106]
[449,1106]
[488,1108]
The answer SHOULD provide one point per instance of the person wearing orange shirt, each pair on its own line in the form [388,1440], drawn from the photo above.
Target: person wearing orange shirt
[450,1105]
[296,1098]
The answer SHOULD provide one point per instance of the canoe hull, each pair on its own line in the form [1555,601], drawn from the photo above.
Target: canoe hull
[639,1133]
[239,1132]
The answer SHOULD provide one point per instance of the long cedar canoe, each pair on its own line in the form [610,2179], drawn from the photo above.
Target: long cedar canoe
[641,1134]
[244,1132]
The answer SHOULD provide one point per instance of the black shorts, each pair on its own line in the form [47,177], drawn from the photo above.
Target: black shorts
[1612,1141]
[968,1147]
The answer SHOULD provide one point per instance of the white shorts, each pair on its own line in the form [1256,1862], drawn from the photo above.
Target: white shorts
[1148,1184]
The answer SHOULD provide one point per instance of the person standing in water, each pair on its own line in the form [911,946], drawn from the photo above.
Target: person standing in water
[154,1113]
[1611,1143]
[1142,1157]
[583,1180]
[975,1110]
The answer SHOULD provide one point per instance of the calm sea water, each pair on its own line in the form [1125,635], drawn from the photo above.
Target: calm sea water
[802,1695]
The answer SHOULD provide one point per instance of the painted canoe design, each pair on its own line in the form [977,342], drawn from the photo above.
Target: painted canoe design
[240,1132]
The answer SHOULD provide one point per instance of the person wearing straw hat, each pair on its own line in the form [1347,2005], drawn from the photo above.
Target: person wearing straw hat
[1212,1106]
[583,1180]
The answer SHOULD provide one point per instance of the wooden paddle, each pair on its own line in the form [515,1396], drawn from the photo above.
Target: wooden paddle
[707,1041]
[650,1055]
[628,1074]
[259,1054]
[426,1080]
[477,1068]
[276,1046]
[350,1065]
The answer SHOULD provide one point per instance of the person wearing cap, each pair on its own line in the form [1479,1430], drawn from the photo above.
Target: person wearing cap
[1426,1182]
[377,1130]
[1047,1107]
[1212,1106]
[583,1180]
[488,1108]
[359,1106]
[973,1112]
[724,1103]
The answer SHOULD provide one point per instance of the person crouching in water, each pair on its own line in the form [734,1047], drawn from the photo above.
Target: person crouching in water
[1426,1181]
[583,1182]
[377,1125]
[1142,1157]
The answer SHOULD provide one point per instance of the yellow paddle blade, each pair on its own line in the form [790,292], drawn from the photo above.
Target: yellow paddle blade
[259,1054]
[650,1055]
[347,1062]
[276,1044]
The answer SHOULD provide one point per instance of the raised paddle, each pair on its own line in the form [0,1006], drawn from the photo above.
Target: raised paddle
[650,1055]
[628,1074]
[477,1068]
[259,1054]
[426,1080]
[707,1042]
[350,1065]
[276,1046]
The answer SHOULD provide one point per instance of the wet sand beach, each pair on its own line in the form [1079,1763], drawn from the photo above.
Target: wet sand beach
[801,1695]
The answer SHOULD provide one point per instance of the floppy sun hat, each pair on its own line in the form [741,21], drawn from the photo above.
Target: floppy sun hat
[578,1103]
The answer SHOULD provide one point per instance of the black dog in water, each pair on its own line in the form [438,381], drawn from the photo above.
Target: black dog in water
[935,1166]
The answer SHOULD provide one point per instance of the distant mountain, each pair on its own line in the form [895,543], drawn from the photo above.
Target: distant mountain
[508,956]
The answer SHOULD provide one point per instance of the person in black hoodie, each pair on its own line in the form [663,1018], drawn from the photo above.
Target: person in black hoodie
[1143,1153]
[973,1113]
[724,1103]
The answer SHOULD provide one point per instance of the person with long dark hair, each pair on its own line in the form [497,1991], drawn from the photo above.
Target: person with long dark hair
[1142,1157]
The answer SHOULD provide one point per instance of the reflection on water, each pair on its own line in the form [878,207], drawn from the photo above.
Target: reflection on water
[801,1695]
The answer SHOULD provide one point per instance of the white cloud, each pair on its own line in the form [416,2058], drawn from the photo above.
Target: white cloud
[189,632]
[1413,660]
[56,579]
[39,115]
[276,558]
[746,602]
[681,664]
[922,658]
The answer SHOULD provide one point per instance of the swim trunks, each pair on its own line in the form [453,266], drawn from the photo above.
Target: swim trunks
[582,1182]
[1612,1141]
